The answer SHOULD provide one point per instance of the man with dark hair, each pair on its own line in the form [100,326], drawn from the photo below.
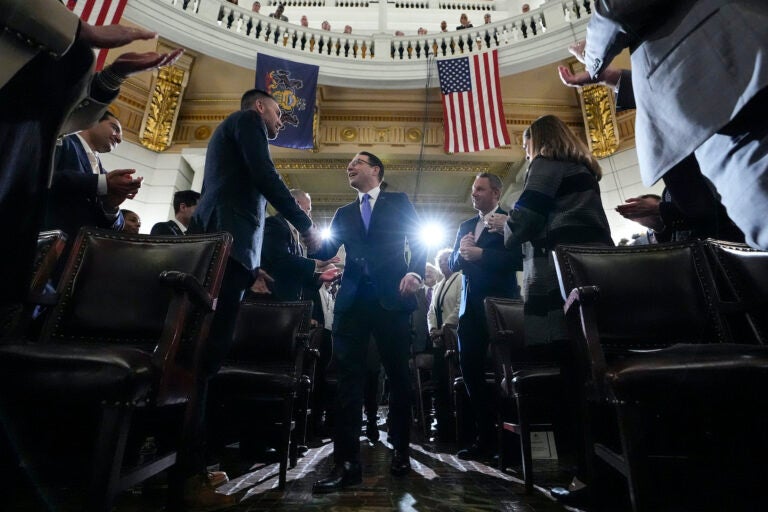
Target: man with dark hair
[376,298]
[278,14]
[488,271]
[184,204]
[82,192]
[240,178]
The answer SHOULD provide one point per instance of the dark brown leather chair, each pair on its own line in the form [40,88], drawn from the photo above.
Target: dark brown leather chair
[656,358]
[119,348]
[15,323]
[528,386]
[264,366]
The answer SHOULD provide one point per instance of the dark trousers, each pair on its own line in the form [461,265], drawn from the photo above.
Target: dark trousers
[237,279]
[352,332]
[473,349]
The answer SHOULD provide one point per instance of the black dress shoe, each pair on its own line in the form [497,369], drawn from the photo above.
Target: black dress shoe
[576,498]
[342,475]
[401,463]
[372,431]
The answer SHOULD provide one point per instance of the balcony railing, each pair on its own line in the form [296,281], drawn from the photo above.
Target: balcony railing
[236,34]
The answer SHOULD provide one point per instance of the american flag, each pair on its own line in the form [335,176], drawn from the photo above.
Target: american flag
[98,12]
[473,116]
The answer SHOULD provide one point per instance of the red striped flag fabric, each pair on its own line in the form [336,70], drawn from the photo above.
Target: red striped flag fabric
[98,12]
[473,115]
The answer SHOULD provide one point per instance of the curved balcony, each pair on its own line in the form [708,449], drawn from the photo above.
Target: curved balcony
[375,60]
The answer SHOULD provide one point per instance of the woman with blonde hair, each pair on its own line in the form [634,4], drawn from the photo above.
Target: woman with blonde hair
[560,203]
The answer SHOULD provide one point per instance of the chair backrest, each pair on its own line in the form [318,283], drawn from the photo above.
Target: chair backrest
[650,296]
[743,278]
[505,321]
[506,330]
[269,332]
[112,293]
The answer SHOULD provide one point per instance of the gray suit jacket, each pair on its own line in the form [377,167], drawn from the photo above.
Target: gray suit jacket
[695,64]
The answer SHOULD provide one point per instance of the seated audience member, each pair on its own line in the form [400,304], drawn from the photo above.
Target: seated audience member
[325,26]
[132,221]
[347,29]
[487,18]
[56,48]
[399,33]
[256,7]
[184,204]
[304,21]
[278,14]
[422,31]
[443,26]
[464,22]
[526,8]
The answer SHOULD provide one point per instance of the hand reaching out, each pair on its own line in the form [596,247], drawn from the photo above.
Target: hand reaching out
[131,63]
[112,36]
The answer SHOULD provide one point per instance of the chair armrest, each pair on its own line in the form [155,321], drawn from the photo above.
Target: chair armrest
[582,326]
[189,284]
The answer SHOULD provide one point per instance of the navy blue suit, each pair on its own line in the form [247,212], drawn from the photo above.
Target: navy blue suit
[369,303]
[492,276]
[168,227]
[73,201]
[281,257]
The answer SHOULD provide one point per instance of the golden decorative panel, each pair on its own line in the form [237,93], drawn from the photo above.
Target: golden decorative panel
[163,108]
[600,120]
[413,135]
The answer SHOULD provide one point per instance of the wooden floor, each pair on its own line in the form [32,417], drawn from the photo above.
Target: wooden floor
[439,482]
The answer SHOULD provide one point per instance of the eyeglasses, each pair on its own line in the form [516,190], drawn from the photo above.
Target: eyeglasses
[357,161]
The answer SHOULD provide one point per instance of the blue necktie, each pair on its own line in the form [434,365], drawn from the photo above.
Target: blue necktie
[365,210]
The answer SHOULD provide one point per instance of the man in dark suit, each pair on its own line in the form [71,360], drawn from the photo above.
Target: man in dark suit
[700,80]
[184,204]
[296,277]
[375,298]
[83,193]
[489,271]
[240,178]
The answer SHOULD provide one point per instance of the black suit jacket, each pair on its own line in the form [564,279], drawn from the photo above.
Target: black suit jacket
[168,227]
[493,275]
[281,257]
[381,251]
[74,201]
[240,178]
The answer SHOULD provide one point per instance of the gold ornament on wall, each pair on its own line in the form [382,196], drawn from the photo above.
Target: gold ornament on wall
[202,133]
[600,120]
[162,110]
[348,134]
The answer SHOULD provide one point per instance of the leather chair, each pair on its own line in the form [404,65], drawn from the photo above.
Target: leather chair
[15,324]
[659,366]
[264,366]
[742,276]
[455,380]
[528,386]
[421,365]
[119,347]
